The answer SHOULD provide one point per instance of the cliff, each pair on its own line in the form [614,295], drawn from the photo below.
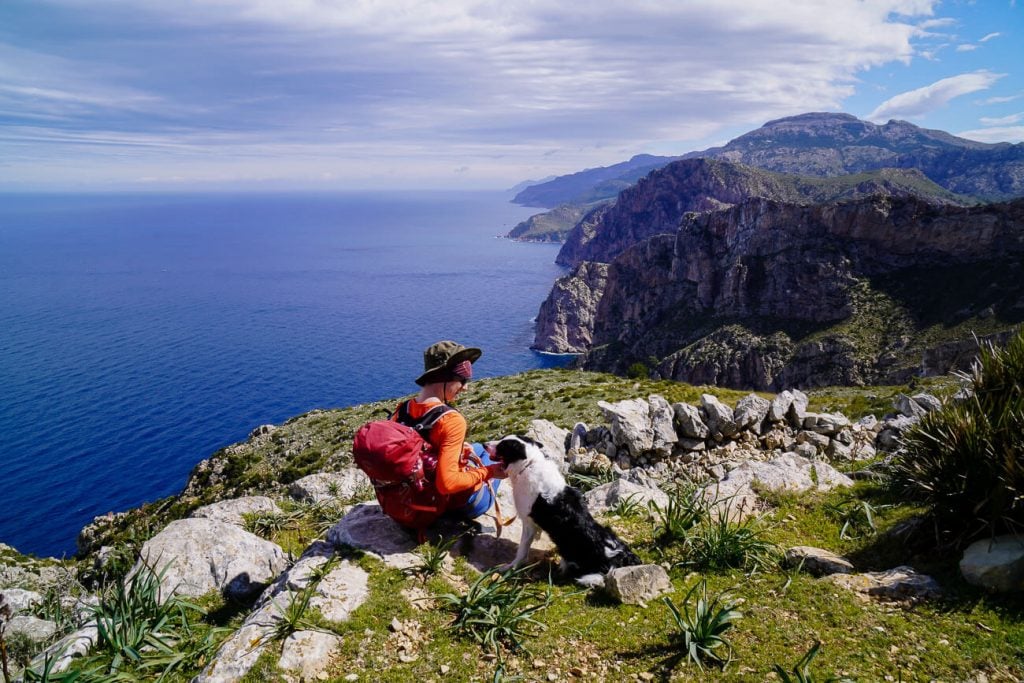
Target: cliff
[658,203]
[771,293]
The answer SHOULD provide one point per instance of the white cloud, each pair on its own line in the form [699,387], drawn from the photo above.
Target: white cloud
[931,97]
[989,37]
[1003,134]
[1001,100]
[422,78]
[966,47]
[1002,120]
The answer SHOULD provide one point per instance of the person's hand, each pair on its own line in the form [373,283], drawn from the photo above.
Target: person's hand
[497,471]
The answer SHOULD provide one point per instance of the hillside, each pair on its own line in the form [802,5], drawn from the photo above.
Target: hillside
[399,617]
[591,185]
[769,294]
[658,203]
[830,144]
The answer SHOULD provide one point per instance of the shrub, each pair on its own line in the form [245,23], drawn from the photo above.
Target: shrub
[496,610]
[702,630]
[685,510]
[965,461]
[638,371]
[723,544]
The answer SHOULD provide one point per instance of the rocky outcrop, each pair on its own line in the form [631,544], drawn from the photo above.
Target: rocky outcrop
[757,295]
[566,318]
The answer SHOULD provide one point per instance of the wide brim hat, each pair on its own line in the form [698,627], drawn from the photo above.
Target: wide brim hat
[444,355]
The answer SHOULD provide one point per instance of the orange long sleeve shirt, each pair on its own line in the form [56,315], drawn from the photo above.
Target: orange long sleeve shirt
[448,437]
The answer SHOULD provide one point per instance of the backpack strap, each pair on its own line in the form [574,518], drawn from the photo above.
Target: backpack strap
[425,423]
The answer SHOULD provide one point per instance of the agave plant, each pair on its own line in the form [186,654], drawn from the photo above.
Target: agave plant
[723,543]
[497,609]
[684,510]
[801,671]
[965,461]
[702,630]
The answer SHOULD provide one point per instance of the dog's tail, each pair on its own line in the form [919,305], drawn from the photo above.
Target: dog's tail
[591,580]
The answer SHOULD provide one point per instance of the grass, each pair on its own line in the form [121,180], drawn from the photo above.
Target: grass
[786,613]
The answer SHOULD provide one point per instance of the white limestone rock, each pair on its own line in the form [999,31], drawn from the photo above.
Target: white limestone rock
[817,561]
[719,417]
[603,498]
[551,437]
[325,487]
[995,564]
[630,423]
[233,511]
[689,422]
[637,585]
[202,555]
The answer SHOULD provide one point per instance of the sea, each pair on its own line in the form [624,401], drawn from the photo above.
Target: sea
[140,333]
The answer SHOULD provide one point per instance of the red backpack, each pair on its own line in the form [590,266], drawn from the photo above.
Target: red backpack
[400,461]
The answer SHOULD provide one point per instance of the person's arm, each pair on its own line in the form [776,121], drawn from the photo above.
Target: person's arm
[448,437]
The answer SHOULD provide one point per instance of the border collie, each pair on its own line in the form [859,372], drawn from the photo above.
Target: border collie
[543,499]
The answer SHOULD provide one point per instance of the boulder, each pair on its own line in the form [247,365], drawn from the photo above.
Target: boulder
[662,423]
[348,485]
[551,437]
[605,497]
[630,423]
[637,585]
[719,416]
[816,561]
[367,528]
[307,654]
[900,584]
[927,402]
[819,441]
[689,422]
[995,564]
[33,628]
[233,511]
[65,650]
[578,438]
[828,424]
[239,652]
[20,600]
[779,406]
[908,407]
[750,412]
[201,555]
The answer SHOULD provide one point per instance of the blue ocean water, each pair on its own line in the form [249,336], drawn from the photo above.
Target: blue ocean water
[140,333]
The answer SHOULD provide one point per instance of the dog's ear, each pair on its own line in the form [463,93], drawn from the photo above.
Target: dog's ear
[510,449]
[529,440]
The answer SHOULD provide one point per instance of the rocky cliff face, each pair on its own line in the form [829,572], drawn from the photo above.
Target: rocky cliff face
[769,293]
[566,319]
[658,203]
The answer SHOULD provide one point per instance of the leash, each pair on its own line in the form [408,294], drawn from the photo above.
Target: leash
[499,521]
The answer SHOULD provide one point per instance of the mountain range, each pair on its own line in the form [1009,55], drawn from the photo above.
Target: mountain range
[817,249]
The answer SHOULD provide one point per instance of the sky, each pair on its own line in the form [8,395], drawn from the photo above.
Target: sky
[467,94]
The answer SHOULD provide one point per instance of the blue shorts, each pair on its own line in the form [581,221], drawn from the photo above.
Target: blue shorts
[483,498]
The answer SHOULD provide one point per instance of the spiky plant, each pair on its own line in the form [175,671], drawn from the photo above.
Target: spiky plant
[965,461]
[702,629]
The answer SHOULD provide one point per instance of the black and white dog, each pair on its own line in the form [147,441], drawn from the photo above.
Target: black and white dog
[543,499]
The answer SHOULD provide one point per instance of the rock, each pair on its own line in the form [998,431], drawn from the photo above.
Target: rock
[689,422]
[202,555]
[239,652]
[305,654]
[901,584]
[797,409]
[719,416]
[909,407]
[341,591]
[927,402]
[348,485]
[819,441]
[828,424]
[589,462]
[20,600]
[637,585]
[816,561]
[33,628]
[603,498]
[61,653]
[565,321]
[750,412]
[806,450]
[868,422]
[662,423]
[233,511]
[779,406]
[838,451]
[735,494]
[552,438]
[367,528]
[995,564]
[691,444]
[630,422]
[262,430]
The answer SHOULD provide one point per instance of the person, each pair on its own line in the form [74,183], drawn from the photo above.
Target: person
[469,482]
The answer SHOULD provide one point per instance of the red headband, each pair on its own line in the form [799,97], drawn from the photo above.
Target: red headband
[463,370]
